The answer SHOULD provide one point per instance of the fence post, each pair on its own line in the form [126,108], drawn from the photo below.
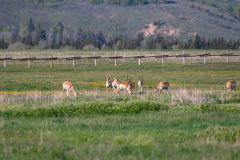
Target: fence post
[29,62]
[227,57]
[139,60]
[162,59]
[204,57]
[183,57]
[73,61]
[115,59]
[5,60]
[95,60]
[52,61]
[57,61]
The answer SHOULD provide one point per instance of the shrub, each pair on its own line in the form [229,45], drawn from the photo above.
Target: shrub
[218,133]
[231,108]
[76,109]
[18,46]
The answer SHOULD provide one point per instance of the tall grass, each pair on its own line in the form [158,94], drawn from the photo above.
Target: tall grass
[57,104]
[188,134]
[196,119]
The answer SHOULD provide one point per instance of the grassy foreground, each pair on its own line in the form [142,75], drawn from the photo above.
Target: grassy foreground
[197,119]
[136,129]
[176,134]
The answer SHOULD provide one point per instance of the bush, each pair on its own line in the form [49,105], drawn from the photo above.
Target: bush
[76,109]
[218,133]
[230,108]
[89,47]
[18,46]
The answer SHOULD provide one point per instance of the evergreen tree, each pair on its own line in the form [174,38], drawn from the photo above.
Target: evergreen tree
[39,35]
[14,34]
[148,43]
[68,37]
[139,39]
[100,39]
[197,42]
[59,34]
[3,43]
[190,44]
[30,26]
[80,39]
[52,38]
[203,43]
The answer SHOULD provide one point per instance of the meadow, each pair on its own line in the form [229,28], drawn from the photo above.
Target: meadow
[197,119]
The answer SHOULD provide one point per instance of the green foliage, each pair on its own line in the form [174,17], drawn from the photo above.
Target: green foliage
[218,133]
[77,109]
[229,108]
[147,135]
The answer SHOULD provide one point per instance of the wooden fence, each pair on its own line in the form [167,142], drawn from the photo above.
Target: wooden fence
[138,57]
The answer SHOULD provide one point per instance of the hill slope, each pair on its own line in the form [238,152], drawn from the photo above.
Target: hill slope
[181,19]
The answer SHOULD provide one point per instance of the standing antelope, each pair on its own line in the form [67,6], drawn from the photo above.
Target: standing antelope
[162,86]
[140,84]
[68,88]
[231,85]
[108,82]
[114,83]
[122,85]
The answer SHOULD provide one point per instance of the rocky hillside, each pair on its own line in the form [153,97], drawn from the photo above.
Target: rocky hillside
[180,18]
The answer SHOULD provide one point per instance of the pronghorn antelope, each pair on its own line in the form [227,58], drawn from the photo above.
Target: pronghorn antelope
[122,85]
[114,83]
[140,84]
[68,88]
[108,82]
[231,85]
[131,83]
[162,86]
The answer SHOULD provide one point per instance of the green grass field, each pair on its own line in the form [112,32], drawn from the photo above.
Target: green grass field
[197,119]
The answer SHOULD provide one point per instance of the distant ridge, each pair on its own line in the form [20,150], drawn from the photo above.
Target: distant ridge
[180,19]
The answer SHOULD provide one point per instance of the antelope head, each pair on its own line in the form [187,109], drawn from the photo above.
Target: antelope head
[130,89]
[108,77]
[75,93]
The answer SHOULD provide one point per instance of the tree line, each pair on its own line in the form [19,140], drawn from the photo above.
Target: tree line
[57,37]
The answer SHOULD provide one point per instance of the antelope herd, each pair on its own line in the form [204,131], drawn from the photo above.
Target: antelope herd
[128,86]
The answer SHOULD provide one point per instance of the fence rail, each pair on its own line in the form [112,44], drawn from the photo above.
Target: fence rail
[116,57]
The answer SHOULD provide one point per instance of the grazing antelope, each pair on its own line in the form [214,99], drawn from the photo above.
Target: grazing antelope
[114,83]
[140,84]
[108,82]
[162,86]
[68,88]
[122,85]
[130,82]
[231,85]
